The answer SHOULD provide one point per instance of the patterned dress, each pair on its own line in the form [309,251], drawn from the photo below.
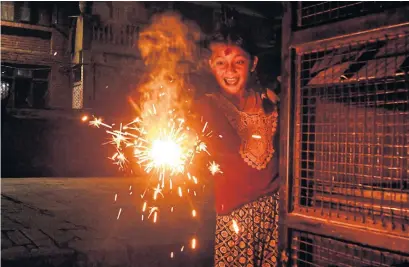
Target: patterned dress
[248,236]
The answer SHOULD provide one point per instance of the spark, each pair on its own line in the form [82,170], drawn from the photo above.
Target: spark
[157,191]
[119,213]
[214,168]
[171,254]
[152,210]
[182,248]
[144,206]
[194,179]
[204,127]
[180,191]
[164,146]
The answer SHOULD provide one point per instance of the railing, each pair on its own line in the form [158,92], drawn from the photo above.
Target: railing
[318,12]
[116,34]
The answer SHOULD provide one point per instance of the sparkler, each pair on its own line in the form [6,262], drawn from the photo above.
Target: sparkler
[161,140]
[165,148]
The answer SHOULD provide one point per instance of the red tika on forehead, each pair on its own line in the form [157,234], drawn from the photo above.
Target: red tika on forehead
[227,51]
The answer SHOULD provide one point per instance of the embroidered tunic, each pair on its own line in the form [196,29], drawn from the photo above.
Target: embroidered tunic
[247,152]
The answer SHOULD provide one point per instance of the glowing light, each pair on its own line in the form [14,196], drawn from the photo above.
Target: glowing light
[161,141]
[256,136]
[235,226]
[171,254]
[84,118]
[214,168]
[119,213]
[116,196]
[144,206]
[180,191]
[166,153]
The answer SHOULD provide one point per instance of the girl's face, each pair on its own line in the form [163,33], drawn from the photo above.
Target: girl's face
[231,66]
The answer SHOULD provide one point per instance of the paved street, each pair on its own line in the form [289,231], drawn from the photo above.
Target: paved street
[73,222]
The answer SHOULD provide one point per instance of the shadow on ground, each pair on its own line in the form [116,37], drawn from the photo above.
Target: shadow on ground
[150,256]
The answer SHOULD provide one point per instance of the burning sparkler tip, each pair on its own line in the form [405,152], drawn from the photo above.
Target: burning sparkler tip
[84,118]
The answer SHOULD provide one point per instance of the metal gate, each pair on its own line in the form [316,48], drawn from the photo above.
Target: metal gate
[345,134]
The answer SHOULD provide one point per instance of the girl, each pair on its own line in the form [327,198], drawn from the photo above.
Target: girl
[245,119]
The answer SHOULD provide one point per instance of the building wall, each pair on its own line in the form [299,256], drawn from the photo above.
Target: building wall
[107,41]
[49,50]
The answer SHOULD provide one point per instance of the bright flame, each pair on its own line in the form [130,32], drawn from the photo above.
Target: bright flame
[84,118]
[159,140]
[166,153]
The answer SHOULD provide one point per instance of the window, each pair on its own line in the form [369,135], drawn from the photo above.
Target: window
[7,11]
[24,12]
[44,17]
[24,73]
[26,85]
[76,74]
[29,12]
[5,89]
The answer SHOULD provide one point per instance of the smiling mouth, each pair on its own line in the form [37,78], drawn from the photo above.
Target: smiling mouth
[231,81]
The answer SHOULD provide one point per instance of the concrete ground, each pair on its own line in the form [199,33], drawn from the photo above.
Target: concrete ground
[73,222]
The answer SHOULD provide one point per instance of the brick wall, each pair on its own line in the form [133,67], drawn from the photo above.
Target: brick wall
[60,88]
[26,43]
[46,52]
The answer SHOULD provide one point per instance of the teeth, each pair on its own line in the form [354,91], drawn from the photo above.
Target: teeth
[231,80]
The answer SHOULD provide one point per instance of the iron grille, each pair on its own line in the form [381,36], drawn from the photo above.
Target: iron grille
[314,13]
[315,250]
[352,133]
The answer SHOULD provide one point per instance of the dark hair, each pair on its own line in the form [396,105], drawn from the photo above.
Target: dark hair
[230,33]
[234,36]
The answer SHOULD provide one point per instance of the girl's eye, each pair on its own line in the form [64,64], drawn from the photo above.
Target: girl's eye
[219,63]
[240,62]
